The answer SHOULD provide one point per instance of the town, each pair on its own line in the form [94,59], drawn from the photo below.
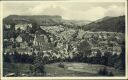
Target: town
[48,42]
[61,38]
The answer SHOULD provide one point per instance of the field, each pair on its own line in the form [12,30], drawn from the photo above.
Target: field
[53,70]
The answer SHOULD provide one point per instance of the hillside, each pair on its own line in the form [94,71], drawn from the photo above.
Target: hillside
[111,24]
[45,20]
[76,23]
[38,19]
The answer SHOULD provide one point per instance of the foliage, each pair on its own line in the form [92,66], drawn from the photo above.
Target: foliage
[18,58]
[105,72]
[39,63]
[110,73]
[84,48]
[121,60]
[112,24]
[61,65]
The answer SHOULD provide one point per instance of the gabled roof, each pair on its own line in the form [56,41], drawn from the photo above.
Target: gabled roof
[40,38]
[40,31]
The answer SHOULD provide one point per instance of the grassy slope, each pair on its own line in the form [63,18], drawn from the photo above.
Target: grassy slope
[52,70]
[13,68]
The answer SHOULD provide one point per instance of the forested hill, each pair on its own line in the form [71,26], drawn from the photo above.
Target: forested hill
[34,19]
[111,24]
[46,20]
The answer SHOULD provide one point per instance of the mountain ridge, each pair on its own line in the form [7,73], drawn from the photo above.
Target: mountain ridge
[111,24]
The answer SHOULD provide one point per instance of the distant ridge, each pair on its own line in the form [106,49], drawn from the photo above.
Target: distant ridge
[110,24]
[38,19]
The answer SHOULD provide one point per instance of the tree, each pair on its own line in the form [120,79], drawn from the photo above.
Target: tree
[7,57]
[98,57]
[110,73]
[103,72]
[16,57]
[121,60]
[39,63]
[84,48]
[122,57]
[106,58]
[32,69]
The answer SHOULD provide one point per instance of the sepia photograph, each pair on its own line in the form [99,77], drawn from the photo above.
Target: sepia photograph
[63,39]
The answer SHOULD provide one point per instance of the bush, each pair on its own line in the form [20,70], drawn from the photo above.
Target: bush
[40,69]
[105,72]
[110,73]
[61,65]
[31,68]
[100,71]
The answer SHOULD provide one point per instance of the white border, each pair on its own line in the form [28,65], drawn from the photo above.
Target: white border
[1,42]
[19,78]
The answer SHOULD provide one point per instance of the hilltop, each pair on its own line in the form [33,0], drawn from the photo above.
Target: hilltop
[111,24]
[37,19]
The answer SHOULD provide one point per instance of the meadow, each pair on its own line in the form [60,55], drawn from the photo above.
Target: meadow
[53,70]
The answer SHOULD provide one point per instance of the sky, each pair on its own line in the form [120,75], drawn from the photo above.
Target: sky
[68,10]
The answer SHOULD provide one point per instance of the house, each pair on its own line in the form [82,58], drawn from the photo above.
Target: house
[23,44]
[19,39]
[5,40]
[36,51]
[39,40]
[24,51]
[88,35]
[56,55]
[60,45]
[7,26]
[23,26]
[12,39]
[103,43]
[116,50]
[46,55]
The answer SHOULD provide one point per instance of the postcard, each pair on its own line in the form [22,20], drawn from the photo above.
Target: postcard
[63,39]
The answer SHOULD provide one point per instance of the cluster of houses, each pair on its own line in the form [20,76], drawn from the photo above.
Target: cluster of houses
[103,41]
